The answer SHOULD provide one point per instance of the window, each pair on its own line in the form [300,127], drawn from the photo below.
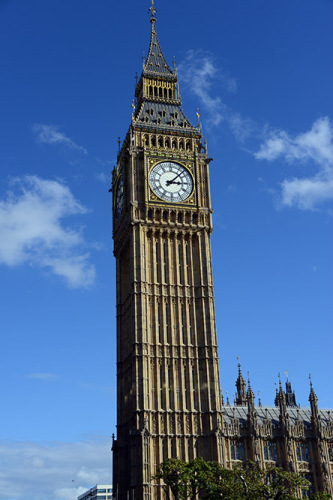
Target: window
[180,263]
[187,266]
[166,324]
[159,322]
[169,389]
[310,491]
[237,450]
[164,262]
[161,386]
[193,385]
[156,258]
[185,387]
[182,322]
[330,453]
[190,324]
[270,452]
[302,452]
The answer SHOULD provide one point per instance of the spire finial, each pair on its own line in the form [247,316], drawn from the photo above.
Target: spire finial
[152,11]
[198,116]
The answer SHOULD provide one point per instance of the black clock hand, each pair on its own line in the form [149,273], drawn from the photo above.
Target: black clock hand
[173,180]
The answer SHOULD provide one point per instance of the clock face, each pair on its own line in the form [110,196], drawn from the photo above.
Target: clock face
[171,182]
[119,202]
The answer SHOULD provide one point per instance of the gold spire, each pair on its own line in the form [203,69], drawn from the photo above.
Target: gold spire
[153,12]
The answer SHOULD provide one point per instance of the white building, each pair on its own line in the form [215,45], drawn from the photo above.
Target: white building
[98,492]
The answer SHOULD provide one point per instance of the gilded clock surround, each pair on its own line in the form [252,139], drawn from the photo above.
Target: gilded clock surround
[153,197]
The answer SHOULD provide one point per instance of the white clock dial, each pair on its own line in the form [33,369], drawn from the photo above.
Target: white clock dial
[171,182]
[119,202]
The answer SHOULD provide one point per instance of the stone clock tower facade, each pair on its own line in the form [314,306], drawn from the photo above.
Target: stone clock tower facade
[168,389]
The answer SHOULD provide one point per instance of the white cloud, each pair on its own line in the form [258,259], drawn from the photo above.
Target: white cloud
[33,232]
[200,74]
[103,177]
[56,470]
[49,134]
[43,376]
[315,146]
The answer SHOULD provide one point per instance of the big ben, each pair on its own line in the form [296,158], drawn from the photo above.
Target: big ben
[168,389]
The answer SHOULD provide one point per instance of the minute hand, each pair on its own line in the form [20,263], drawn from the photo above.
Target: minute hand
[173,180]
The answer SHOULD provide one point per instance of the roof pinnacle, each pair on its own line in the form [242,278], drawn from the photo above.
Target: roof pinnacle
[241,388]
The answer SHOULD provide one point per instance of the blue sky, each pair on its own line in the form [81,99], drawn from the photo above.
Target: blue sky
[260,73]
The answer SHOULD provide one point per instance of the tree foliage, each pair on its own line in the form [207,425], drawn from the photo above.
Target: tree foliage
[246,481]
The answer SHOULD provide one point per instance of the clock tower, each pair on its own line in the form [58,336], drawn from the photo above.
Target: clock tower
[168,389]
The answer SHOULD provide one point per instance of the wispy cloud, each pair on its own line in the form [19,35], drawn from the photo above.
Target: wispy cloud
[202,76]
[49,134]
[103,177]
[46,377]
[56,470]
[314,147]
[33,231]
[200,73]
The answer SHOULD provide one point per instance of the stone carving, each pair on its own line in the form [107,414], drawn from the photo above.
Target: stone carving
[188,424]
[179,425]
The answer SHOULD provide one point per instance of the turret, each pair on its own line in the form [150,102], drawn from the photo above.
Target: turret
[315,417]
[241,388]
[290,395]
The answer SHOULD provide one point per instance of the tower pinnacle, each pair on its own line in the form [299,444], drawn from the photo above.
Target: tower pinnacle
[241,388]
[153,12]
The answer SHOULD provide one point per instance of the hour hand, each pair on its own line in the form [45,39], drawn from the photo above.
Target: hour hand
[173,182]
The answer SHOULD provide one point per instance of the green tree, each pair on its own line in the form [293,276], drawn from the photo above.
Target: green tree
[246,481]
[320,496]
